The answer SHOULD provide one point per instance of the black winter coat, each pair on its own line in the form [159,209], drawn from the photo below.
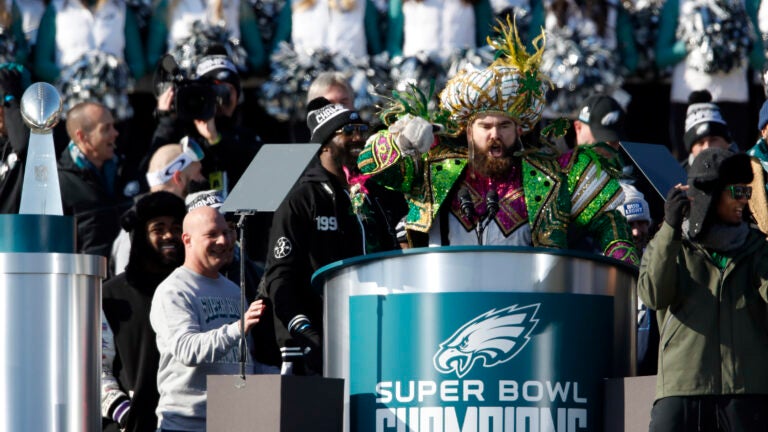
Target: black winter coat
[312,227]
[97,212]
[17,143]
[126,302]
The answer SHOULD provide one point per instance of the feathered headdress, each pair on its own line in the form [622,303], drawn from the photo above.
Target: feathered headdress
[418,103]
[511,85]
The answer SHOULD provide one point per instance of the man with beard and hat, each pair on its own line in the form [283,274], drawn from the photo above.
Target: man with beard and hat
[154,224]
[705,272]
[330,214]
[534,196]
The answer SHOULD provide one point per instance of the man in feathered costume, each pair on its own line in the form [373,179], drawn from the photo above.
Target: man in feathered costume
[492,190]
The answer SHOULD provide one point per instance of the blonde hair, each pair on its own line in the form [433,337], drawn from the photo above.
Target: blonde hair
[5,16]
[342,5]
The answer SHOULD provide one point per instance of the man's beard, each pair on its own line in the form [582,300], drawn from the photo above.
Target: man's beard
[166,262]
[497,168]
[346,159]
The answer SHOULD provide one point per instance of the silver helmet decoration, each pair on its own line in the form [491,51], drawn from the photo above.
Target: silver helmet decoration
[41,107]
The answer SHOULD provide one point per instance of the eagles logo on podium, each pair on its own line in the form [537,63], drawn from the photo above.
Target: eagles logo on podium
[493,337]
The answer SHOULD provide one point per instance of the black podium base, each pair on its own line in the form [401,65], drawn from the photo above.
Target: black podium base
[275,403]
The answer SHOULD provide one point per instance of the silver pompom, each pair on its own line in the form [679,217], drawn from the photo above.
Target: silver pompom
[189,51]
[99,77]
[717,33]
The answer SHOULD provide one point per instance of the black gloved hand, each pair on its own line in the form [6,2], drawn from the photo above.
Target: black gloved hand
[11,81]
[311,343]
[676,208]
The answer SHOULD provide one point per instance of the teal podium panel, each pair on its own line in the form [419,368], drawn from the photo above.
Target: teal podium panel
[478,338]
[37,233]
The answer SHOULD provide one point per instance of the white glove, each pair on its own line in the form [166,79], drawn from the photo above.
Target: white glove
[413,134]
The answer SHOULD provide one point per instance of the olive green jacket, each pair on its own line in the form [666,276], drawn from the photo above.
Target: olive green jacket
[714,333]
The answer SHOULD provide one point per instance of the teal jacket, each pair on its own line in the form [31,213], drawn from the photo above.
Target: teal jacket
[671,51]
[713,322]
[45,50]
[250,37]
[483,25]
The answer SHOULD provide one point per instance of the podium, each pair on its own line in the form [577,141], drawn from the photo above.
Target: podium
[50,347]
[477,338]
[274,403]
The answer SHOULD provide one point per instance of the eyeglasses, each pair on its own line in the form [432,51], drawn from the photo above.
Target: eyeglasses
[351,129]
[739,192]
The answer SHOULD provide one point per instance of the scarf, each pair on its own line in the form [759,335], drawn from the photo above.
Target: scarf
[721,238]
[107,174]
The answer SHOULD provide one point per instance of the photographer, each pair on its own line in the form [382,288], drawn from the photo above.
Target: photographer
[183,110]
[706,274]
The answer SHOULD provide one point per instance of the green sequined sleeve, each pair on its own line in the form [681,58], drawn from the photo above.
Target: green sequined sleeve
[385,162]
[595,197]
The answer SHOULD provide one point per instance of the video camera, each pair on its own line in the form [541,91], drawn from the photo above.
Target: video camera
[194,99]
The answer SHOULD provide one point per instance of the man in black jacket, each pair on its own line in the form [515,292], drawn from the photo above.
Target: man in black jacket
[14,136]
[329,215]
[154,224]
[90,178]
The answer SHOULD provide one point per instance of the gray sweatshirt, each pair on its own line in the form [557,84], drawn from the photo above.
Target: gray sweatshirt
[196,319]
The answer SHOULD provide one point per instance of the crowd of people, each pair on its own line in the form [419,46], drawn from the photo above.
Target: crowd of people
[520,148]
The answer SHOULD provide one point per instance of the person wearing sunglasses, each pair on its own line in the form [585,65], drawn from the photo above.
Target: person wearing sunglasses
[706,274]
[329,215]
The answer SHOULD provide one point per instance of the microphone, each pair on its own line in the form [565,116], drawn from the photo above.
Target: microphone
[492,206]
[492,203]
[467,208]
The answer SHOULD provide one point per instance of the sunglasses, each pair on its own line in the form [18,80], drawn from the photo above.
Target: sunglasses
[739,192]
[351,129]
[191,148]
[191,152]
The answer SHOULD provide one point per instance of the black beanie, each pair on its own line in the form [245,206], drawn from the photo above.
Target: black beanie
[325,118]
[219,67]
[703,119]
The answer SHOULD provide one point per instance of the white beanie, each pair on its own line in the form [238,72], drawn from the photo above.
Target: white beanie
[635,207]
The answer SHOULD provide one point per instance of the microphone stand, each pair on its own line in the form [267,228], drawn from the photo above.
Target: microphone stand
[243,300]
[468,209]
[492,206]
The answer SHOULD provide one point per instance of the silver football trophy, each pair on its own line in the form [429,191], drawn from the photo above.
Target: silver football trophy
[51,363]
[40,194]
